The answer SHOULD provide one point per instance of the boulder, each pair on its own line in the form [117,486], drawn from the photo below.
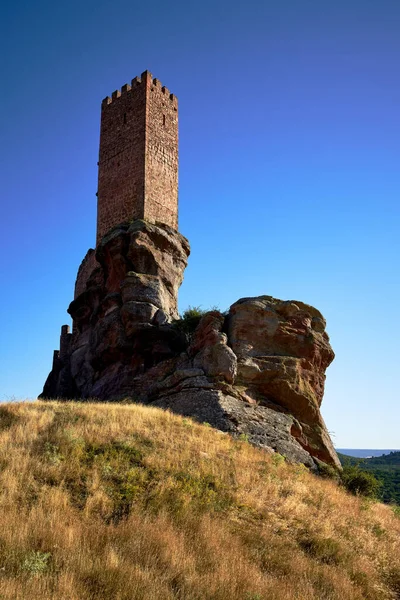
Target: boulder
[283,352]
[210,350]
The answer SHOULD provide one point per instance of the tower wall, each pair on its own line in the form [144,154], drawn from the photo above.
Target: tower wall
[161,166]
[138,156]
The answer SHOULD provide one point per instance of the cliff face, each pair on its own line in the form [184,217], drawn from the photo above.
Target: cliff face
[258,371]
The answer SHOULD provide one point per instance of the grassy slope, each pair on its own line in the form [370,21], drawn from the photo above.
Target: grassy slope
[386,469]
[124,502]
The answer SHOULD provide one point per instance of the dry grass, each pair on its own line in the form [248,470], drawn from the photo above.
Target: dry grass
[124,502]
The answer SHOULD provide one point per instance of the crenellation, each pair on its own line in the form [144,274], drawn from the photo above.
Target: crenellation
[146,76]
[107,100]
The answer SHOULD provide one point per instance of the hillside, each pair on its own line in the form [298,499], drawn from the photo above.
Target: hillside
[125,502]
[386,469]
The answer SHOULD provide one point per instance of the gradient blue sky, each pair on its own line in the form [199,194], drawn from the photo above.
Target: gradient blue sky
[289,171]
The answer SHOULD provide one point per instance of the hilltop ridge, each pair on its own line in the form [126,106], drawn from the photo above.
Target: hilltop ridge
[128,502]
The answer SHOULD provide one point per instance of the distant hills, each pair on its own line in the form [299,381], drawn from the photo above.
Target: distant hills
[386,468]
[365,452]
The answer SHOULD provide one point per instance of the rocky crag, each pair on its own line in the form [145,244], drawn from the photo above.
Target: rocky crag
[257,371]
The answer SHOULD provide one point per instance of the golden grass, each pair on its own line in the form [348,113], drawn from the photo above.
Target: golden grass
[125,502]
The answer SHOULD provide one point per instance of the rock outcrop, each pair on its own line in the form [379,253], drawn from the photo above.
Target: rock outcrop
[122,319]
[256,372]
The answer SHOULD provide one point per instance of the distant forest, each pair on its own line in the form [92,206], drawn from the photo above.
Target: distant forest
[386,469]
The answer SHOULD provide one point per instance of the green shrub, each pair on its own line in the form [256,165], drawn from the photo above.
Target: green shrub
[327,471]
[189,320]
[396,510]
[36,563]
[277,459]
[358,482]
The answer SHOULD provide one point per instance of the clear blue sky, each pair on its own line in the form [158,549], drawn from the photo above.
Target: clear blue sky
[289,171]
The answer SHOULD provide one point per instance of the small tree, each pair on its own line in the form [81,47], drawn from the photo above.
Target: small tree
[189,320]
[360,483]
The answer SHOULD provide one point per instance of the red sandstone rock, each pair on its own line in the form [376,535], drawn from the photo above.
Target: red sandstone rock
[210,350]
[258,371]
[283,352]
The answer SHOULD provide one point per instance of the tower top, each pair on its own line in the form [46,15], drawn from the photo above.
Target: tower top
[145,77]
[138,156]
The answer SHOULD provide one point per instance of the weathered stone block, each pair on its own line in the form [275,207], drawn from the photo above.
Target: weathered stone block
[134,312]
[138,287]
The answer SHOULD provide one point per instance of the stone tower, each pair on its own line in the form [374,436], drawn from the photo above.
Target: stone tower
[138,157]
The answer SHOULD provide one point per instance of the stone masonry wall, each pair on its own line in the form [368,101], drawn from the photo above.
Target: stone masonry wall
[138,156]
[161,168]
[121,157]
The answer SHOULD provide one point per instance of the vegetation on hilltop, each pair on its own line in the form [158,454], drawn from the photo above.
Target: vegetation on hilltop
[385,468]
[189,320]
[126,502]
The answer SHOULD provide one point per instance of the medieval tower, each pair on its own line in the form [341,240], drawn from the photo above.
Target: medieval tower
[137,180]
[138,156]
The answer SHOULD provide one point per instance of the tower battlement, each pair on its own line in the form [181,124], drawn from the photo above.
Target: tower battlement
[134,83]
[138,156]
